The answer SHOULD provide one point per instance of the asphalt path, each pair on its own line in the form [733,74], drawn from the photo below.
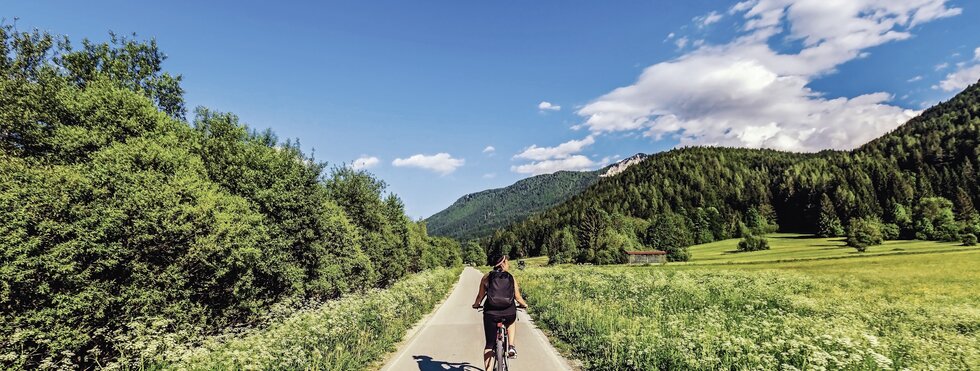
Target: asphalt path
[451,338]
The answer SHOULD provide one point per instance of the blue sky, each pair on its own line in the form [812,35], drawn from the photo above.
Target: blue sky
[398,83]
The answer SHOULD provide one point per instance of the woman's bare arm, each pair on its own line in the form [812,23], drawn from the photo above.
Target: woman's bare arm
[517,294]
[483,291]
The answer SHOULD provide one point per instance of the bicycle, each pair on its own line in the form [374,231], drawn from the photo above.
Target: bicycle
[500,346]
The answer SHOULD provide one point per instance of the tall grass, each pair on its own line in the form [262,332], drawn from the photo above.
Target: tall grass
[896,312]
[351,333]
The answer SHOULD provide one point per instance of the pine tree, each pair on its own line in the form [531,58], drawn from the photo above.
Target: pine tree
[829,224]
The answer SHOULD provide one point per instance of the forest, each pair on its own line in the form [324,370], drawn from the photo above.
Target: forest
[123,223]
[918,181]
[479,214]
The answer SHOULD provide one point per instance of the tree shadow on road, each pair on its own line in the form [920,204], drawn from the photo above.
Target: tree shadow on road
[426,363]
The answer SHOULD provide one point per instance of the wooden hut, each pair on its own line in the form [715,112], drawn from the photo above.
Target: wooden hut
[646,257]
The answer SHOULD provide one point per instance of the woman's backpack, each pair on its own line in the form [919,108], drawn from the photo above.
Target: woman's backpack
[500,290]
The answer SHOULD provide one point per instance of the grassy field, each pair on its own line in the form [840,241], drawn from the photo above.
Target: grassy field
[351,333]
[915,311]
[790,246]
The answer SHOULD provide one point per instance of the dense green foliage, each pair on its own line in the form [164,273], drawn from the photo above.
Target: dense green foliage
[864,232]
[478,214]
[346,334]
[121,224]
[718,193]
[878,313]
[753,242]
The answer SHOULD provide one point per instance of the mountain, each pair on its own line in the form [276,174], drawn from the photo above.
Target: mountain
[621,166]
[477,214]
[913,179]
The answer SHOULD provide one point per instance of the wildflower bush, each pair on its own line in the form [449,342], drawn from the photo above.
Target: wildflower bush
[350,333]
[680,318]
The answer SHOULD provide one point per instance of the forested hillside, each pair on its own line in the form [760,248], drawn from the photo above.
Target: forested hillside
[918,181]
[479,214]
[124,228]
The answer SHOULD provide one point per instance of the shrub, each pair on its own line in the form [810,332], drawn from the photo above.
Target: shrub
[890,231]
[752,242]
[969,239]
[863,232]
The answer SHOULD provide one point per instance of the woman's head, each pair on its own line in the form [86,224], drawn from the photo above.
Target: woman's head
[502,263]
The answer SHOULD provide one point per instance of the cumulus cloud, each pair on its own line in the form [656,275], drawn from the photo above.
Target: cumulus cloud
[365,162]
[560,151]
[489,149]
[746,94]
[959,80]
[707,19]
[547,106]
[576,163]
[441,163]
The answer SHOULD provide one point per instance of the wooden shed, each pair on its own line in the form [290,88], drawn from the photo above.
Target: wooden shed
[646,257]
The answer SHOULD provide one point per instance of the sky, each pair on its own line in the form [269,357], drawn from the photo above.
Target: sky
[445,98]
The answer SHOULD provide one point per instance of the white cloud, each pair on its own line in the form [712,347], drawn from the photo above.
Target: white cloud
[365,162]
[960,79]
[746,94]
[681,42]
[914,79]
[547,106]
[560,151]
[441,163]
[941,66]
[576,163]
[489,175]
[976,54]
[707,19]
[489,149]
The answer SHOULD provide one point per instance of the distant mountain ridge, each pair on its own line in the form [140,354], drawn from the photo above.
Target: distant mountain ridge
[478,214]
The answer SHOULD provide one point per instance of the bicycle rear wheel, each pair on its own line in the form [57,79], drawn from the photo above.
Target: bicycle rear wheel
[500,353]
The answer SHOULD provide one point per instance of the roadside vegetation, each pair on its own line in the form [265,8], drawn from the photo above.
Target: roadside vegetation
[350,333]
[126,226]
[875,312]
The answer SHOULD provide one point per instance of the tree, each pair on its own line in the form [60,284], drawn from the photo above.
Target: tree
[828,224]
[863,232]
[969,239]
[667,233]
[564,247]
[591,229]
[934,220]
[753,243]
[474,254]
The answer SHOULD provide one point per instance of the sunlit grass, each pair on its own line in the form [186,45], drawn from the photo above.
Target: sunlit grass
[916,311]
[351,333]
[790,246]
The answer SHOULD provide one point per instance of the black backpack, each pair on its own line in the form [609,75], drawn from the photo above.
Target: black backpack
[500,290]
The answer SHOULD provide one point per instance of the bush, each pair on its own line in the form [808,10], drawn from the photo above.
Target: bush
[969,239]
[864,232]
[890,231]
[752,242]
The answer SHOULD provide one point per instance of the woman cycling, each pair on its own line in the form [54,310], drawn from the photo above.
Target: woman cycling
[503,296]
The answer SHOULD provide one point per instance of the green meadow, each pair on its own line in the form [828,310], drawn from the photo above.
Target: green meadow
[806,304]
[792,246]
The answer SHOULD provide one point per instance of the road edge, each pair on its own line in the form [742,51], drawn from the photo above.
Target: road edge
[417,327]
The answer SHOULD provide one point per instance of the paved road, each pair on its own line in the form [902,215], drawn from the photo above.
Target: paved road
[452,338]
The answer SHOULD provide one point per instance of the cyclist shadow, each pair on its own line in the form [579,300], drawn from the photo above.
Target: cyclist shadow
[426,363]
